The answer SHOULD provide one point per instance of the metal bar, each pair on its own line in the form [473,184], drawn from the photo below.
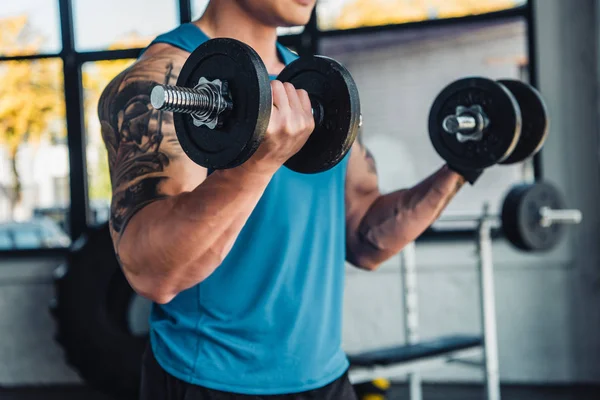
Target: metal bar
[472,219]
[41,253]
[185,11]
[206,102]
[532,67]
[399,371]
[105,55]
[531,44]
[459,123]
[520,11]
[26,57]
[488,307]
[408,267]
[549,217]
[469,363]
[308,37]
[74,120]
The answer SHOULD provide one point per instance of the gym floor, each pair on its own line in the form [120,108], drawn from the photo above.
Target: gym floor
[398,392]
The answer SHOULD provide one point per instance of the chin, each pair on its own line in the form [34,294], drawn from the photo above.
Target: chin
[296,12]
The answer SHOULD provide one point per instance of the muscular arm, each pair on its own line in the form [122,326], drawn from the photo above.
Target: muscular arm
[379,226]
[171,225]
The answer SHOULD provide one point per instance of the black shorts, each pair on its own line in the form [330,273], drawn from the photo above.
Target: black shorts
[157,384]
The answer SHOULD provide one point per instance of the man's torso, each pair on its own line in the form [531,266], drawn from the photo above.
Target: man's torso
[268,320]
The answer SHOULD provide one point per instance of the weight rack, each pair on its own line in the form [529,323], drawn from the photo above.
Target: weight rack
[414,356]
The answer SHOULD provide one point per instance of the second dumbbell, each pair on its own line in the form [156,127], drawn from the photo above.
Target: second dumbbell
[222,105]
[477,122]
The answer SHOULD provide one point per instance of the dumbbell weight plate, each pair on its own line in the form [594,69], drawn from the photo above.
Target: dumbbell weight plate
[330,84]
[244,127]
[499,138]
[535,120]
[521,216]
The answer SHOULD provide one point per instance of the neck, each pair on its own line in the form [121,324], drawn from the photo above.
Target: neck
[228,19]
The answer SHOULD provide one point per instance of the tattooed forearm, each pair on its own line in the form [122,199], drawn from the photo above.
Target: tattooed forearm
[140,141]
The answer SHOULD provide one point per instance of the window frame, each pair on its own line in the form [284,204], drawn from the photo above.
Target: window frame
[306,43]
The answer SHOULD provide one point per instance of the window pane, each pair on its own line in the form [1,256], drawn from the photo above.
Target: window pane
[400,73]
[347,14]
[198,7]
[96,75]
[34,159]
[119,24]
[29,27]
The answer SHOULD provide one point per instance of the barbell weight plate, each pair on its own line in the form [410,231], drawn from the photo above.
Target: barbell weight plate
[244,127]
[499,138]
[330,84]
[535,119]
[521,216]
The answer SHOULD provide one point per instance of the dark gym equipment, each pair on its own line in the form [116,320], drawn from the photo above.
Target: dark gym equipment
[336,107]
[92,299]
[534,129]
[534,216]
[222,106]
[398,354]
[474,123]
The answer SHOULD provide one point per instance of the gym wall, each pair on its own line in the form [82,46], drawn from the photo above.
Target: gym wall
[548,323]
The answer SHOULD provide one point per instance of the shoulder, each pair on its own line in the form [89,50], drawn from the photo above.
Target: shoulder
[160,63]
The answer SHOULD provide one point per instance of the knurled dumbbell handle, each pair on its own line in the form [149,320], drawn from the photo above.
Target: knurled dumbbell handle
[192,101]
[182,100]
[457,124]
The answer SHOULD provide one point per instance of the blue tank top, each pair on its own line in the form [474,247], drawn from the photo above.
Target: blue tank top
[269,319]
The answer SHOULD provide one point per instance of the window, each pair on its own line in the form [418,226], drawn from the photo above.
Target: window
[349,14]
[398,74]
[120,24]
[29,27]
[198,8]
[397,69]
[34,158]
[96,75]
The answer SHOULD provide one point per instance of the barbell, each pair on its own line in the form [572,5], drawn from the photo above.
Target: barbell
[535,216]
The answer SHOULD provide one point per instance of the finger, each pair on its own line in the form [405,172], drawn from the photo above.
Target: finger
[292,95]
[280,98]
[304,100]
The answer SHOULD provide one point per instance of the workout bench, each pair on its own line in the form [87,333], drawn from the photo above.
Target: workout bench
[415,355]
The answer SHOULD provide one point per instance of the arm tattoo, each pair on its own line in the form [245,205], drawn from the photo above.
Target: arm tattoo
[134,135]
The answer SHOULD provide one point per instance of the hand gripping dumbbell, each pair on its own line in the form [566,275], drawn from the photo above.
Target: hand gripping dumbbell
[222,103]
[476,122]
